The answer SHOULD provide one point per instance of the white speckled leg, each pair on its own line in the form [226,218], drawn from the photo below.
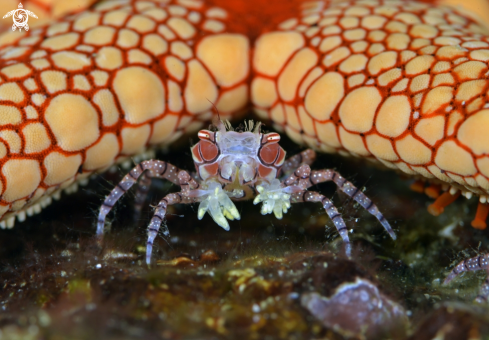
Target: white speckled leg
[305,157]
[187,182]
[305,178]
[155,168]
[159,216]
[334,215]
[480,262]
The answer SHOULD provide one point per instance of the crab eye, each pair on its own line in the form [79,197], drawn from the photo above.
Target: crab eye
[204,134]
[273,137]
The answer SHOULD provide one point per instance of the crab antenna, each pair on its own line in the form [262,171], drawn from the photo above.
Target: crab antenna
[221,126]
[217,122]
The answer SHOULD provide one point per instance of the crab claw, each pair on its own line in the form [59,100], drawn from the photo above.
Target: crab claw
[218,204]
[275,198]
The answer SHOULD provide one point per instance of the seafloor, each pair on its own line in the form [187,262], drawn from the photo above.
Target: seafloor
[264,279]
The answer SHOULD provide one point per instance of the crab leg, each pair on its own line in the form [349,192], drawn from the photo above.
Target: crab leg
[159,216]
[334,215]
[155,168]
[187,182]
[480,262]
[305,178]
[305,157]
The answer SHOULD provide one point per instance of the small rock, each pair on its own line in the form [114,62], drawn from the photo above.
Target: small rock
[355,308]
[209,256]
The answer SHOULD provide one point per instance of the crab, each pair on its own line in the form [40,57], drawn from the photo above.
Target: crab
[234,166]
[480,262]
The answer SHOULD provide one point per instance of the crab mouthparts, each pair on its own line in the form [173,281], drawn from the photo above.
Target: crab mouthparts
[239,150]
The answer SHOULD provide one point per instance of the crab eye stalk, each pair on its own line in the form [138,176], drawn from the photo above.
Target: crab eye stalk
[205,135]
[272,138]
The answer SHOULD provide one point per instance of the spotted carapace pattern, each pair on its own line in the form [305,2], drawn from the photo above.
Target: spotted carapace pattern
[403,83]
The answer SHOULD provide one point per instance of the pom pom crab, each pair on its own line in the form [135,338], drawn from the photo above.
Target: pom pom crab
[239,165]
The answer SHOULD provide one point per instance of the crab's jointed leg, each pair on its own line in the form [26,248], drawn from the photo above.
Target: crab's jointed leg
[147,170]
[334,215]
[307,156]
[277,196]
[154,167]
[480,262]
[186,182]
[305,178]
[159,216]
